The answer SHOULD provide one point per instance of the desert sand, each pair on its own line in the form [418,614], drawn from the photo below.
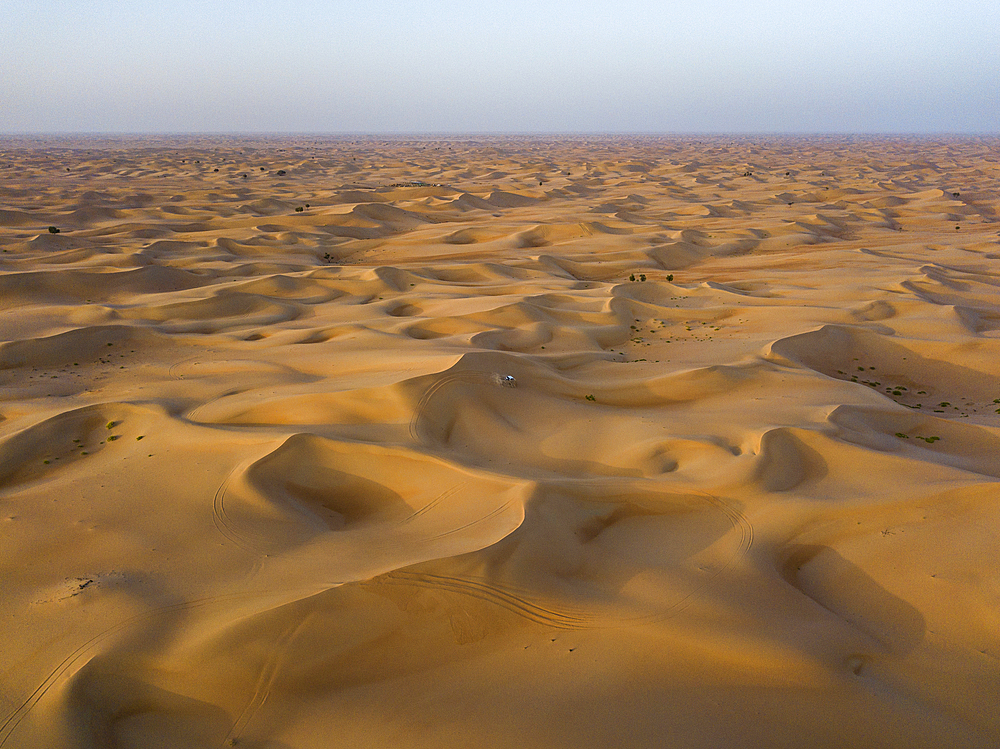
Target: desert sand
[499,442]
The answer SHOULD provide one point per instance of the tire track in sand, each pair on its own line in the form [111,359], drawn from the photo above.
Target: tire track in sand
[223,523]
[494,594]
[14,719]
[489,516]
[447,494]
[520,603]
[268,674]
[465,376]
[741,524]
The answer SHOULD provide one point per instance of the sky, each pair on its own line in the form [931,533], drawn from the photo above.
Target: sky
[519,66]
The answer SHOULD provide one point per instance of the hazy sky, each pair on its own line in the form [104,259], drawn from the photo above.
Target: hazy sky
[382,66]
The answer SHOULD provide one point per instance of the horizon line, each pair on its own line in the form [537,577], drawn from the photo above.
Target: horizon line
[497,133]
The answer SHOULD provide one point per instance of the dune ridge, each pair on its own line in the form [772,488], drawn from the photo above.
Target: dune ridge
[618,441]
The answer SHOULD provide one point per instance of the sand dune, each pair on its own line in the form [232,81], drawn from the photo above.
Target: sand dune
[501,442]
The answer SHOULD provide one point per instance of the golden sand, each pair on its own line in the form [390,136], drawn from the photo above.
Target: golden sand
[499,442]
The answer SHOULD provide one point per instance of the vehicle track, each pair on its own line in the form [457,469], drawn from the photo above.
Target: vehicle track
[14,719]
[447,494]
[520,603]
[220,517]
[499,510]
[504,598]
[265,680]
[745,529]
[172,372]
[740,523]
[447,379]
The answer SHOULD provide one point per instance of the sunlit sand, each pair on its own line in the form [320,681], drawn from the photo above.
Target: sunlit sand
[500,442]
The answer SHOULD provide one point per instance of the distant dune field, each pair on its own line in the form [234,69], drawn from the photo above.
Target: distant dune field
[499,442]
